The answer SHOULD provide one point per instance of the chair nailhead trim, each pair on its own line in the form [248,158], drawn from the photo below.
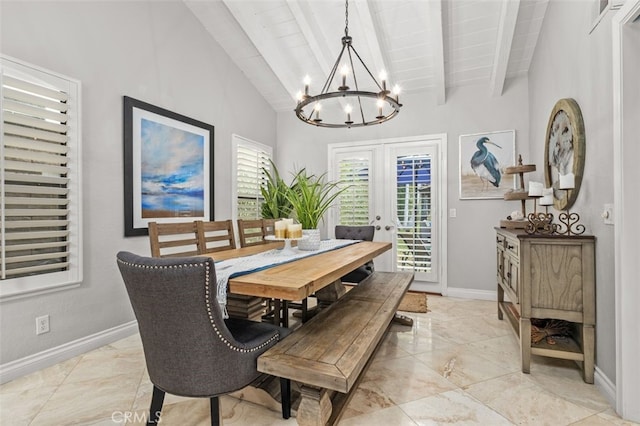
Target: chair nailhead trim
[229,344]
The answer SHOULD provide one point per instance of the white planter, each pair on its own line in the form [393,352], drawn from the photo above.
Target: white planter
[312,240]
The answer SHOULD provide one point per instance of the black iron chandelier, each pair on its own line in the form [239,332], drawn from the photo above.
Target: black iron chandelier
[371,107]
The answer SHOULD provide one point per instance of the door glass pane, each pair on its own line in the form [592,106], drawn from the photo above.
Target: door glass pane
[354,201]
[413,213]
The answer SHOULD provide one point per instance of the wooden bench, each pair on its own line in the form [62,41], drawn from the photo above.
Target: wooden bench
[328,354]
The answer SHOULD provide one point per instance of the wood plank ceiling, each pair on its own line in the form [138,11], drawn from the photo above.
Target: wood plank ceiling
[424,45]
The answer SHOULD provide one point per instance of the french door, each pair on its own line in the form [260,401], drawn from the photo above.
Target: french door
[397,186]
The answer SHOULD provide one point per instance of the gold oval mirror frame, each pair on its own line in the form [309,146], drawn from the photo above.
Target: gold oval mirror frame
[564,151]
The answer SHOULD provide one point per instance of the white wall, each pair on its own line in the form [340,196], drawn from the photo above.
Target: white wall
[571,63]
[153,51]
[471,237]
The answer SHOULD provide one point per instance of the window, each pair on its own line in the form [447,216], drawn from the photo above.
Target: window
[250,160]
[40,228]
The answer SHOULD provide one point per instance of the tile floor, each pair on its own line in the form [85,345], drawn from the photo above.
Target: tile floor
[458,364]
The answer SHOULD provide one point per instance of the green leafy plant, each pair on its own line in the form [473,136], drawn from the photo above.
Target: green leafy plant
[311,196]
[276,203]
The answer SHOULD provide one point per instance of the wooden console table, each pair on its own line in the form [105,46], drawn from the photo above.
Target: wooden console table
[549,277]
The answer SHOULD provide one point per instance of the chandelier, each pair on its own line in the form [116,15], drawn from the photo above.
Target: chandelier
[371,107]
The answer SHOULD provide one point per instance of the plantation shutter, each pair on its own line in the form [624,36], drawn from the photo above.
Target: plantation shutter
[250,176]
[414,212]
[354,201]
[40,223]
[35,208]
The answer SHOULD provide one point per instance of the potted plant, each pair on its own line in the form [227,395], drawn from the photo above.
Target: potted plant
[311,196]
[276,204]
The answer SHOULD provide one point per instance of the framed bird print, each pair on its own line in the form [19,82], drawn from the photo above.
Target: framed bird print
[483,159]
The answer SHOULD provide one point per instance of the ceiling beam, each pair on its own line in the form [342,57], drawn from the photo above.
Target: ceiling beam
[270,51]
[506,30]
[437,37]
[369,27]
[309,28]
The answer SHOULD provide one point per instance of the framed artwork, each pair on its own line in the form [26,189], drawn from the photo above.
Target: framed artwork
[564,152]
[168,167]
[483,159]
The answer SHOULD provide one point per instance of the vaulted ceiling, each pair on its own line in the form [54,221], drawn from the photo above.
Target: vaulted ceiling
[424,45]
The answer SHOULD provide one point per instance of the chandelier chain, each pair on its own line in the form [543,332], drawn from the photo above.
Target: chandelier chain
[346,18]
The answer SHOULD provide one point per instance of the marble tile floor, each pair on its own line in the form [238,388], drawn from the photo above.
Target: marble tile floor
[458,364]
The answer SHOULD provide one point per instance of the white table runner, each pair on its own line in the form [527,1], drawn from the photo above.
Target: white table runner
[226,269]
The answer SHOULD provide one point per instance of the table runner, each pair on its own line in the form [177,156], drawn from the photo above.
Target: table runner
[226,269]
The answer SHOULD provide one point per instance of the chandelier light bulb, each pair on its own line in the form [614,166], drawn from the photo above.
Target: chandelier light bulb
[396,91]
[383,78]
[344,71]
[307,82]
[348,108]
[380,104]
[317,109]
[299,96]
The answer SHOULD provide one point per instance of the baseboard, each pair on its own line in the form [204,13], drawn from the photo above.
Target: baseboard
[32,363]
[470,293]
[606,386]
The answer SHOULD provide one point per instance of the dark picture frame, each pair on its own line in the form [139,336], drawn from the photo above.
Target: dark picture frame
[168,167]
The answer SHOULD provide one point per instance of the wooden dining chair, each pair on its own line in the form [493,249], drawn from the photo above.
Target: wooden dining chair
[177,239]
[251,232]
[215,236]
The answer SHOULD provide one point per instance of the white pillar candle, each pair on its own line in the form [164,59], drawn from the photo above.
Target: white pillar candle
[294,230]
[535,189]
[567,181]
[547,197]
[280,229]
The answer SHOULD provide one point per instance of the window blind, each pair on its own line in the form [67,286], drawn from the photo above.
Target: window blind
[354,201]
[251,160]
[413,189]
[40,225]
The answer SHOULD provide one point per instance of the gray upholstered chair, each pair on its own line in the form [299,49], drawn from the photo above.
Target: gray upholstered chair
[353,232]
[190,350]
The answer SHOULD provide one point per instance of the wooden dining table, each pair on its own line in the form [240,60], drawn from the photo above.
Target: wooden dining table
[299,278]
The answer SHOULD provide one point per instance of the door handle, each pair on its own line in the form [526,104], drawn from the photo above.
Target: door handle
[389,227]
[377,227]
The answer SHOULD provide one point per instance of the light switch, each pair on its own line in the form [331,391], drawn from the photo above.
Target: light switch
[607,214]
[453,212]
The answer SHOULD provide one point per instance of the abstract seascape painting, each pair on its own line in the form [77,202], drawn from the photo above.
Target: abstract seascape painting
[168,167]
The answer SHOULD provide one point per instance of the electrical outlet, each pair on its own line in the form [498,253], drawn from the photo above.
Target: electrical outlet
[42,324]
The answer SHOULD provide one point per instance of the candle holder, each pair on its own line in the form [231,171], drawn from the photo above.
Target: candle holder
[569,224]
[541,223]
[520,194]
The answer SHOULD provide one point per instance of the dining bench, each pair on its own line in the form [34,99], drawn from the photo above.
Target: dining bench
[329,353]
